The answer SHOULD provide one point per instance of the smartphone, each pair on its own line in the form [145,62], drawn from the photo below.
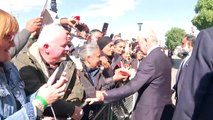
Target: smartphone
[52,78]
[69,69]
[104,28]
[79,27]
[111,36]
[76,18]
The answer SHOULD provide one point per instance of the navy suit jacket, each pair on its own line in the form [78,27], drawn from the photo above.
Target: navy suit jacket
[200,63]
[153,83]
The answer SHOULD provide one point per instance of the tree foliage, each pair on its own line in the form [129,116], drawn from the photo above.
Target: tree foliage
[174,37]
[204,18]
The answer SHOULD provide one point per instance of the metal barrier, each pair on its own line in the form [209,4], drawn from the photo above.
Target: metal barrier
[121,110]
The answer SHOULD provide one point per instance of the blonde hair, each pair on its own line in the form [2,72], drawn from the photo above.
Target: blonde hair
[8,24]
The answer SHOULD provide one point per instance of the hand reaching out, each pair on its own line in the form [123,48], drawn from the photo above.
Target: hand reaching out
[121,74]
[99,97]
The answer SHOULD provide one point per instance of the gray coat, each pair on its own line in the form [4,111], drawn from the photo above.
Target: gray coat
[20,40]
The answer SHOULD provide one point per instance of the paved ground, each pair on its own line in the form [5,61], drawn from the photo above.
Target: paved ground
[175,65]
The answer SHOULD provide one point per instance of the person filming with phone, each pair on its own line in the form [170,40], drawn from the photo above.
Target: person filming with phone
[14,104]
[41,60]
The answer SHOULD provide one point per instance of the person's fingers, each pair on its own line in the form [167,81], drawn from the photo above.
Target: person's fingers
[45,85]
[38,23]
[47,118]
[117,70]
[60,83]
[62,88]
[106,65]
[125,78]
[38,19]
[51,80]
[91,100]
[60,94]
[64,74]
[104,92]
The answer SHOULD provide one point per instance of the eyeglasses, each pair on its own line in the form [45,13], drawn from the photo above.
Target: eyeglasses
[9,37]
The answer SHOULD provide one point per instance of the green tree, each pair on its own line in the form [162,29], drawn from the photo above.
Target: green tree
[204,17]
[174,37]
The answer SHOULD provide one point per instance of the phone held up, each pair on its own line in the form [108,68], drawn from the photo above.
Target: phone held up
[77,18]
[104,28]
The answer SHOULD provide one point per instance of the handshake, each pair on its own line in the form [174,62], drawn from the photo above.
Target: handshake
[99,98]
[120,74]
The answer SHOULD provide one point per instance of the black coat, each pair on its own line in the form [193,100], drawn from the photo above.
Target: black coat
[199,64]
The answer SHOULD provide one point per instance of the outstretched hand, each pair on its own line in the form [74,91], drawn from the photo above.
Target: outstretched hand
[99,97]
[121,74]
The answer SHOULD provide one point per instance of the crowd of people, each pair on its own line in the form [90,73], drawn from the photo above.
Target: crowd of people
[64,70]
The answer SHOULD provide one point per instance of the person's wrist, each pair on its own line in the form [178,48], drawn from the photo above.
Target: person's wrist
[38,105]
[43,102]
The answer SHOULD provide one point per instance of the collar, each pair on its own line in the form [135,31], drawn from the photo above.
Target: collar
[190,53]
[151,49]
[51,66]
[87,69]
[33,52]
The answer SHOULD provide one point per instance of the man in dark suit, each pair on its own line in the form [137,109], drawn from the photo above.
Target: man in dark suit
[187,47]
[199,65]
[152,81]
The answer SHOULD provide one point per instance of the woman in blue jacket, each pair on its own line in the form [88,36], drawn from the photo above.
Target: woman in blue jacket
[13,102]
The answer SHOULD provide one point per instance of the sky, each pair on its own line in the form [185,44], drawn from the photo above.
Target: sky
[121,15]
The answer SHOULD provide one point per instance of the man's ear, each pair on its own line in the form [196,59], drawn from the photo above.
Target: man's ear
[189,43]
[46,46]
[88,59]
